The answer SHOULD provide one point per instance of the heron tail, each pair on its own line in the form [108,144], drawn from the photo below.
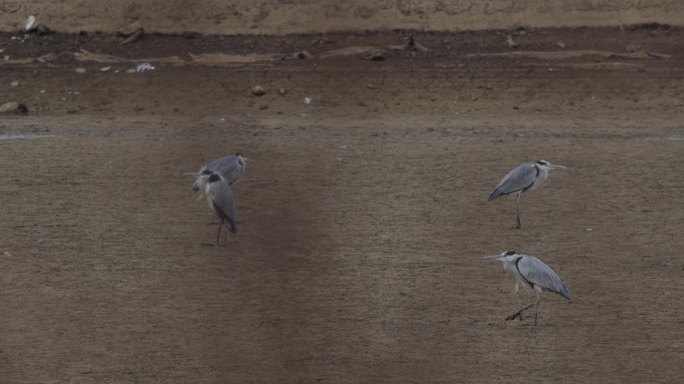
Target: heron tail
[494,194]
[233,226]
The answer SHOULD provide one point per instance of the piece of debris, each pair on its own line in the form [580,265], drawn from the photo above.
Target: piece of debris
[376,56]
[105,69]
[304,55]
[80,70]
[144,67]
[189,34]
[42,29]
[258,91]
[130,33]
[561,45]
[33,27]
[633,48]
[14,84]
[132,37]
[307,100]
[132,70]
[14,107]
[130,29]
[411,45]
[510,42]
[29,23]
[282,91]
[6,57]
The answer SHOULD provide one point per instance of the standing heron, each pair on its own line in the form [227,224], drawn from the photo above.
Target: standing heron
[230,167]
[220,198]
[526,177]
[531,272]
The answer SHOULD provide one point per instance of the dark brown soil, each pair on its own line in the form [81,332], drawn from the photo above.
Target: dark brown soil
[362,215]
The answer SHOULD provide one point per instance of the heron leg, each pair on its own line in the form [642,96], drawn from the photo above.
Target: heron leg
[519,313]
[225,235]
[536,306]
[218,235]
[517,211]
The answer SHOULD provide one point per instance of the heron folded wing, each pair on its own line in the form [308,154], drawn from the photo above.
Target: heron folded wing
[230,167]
[517,180]
[542,276]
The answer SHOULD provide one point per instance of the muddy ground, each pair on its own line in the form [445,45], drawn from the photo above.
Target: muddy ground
[362,215]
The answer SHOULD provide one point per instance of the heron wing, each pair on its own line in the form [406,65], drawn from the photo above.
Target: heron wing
[541,275]
[223,202]
[517,180]
[230,168]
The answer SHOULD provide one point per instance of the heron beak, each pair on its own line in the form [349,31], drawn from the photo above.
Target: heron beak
[557,166]
[491,257]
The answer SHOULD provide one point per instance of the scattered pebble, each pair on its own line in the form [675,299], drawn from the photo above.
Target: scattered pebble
[510,42]
[304,55]
[14,107]
[9,107]
[14,84]
[105,69]
[376,56]
[258,91]
[307,100]
[80,70]
[282,91]
[42,91]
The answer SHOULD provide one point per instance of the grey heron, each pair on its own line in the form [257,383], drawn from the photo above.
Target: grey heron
[220,198]
[230,167]
[525,177]
[531,272]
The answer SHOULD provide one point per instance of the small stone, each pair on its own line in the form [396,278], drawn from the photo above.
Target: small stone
[282,91]
[14,107]
[80,70]
[561,45]
[14,84]
[105,69]
[304,55]
[9,107]
[42,29]
[258,91]
[375,56]
[42,91]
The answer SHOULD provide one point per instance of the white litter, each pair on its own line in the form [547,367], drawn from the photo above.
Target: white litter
[29,22]
[307,100]
[144,67]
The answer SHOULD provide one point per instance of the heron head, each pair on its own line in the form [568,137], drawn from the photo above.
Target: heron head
[547,165]
[504,256]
